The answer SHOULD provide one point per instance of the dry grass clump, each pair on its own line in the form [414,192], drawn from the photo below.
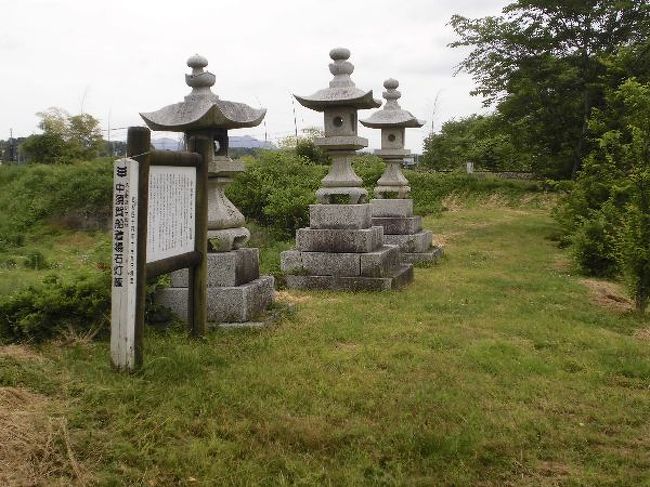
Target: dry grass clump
[34,446]
[20,353]
[608,295]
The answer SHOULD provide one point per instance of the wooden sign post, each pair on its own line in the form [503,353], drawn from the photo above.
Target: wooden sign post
[160,217]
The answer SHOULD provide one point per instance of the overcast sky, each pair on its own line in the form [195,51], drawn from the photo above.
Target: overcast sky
[113,59]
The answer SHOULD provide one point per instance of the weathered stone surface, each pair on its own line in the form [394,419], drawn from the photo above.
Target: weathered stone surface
[321,263]
[399,225]
[226,269]
[339,216]
[417,242]
[227,239]
[291,262]
[433,256]
[339,240]
[391,207]
[401,277]
[225,304]
[381,263]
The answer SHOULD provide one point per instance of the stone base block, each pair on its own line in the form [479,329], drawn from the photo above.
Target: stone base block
[339,216]
[380,263]
[433,256]
[405,225]
[391,207]
[399,278]
[328,240]
[226,269]
[225,304]
[417,242]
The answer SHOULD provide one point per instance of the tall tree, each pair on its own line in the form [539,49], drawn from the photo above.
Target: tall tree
[65,138]
[543,62]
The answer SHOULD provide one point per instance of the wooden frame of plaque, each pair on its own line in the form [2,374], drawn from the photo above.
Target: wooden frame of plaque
[127,320]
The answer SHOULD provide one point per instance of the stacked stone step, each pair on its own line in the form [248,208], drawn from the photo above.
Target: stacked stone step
[404,229]
[341,249]
[236,291]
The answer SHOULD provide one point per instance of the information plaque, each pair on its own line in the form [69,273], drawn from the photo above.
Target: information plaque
[171,212]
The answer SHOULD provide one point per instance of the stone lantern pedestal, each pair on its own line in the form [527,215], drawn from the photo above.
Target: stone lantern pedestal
[341,248]
[392,209]
[236,291]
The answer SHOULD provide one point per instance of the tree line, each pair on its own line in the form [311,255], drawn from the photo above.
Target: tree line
[569,85]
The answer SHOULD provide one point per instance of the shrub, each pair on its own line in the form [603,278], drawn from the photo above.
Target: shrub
[276,190]
[31,195]
[38,313]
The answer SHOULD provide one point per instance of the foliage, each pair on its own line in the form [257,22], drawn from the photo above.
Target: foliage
[38,313]
[276,190]
[32,194]
[304,146]
[607,216]
[477,138]
[546,65]
[65,138]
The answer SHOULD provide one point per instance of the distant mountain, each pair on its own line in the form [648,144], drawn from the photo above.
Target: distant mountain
[248,142]
[236,142]
[165,143]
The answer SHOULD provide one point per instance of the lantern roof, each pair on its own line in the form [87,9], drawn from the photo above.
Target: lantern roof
[392,115]
[341,90]
[202,109]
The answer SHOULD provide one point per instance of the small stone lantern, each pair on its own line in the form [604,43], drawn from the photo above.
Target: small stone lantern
[341,249]
[392,208]
[236,292]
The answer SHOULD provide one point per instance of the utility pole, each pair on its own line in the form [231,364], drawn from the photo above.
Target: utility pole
[295,121]
[12,146]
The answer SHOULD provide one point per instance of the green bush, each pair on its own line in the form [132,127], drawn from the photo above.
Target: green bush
[276,190]
[32,194]
[607,215]
[38,313]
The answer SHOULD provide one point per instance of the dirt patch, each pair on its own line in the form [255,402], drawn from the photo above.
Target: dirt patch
[35,446]
[562,264]
[609,295]
[291,298]
[643,334]
[20,353]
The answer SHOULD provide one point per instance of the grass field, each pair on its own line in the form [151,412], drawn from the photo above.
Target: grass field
[497,367]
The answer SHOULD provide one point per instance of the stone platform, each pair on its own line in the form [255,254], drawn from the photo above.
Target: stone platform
[342,250]
[236,291]
[402,228]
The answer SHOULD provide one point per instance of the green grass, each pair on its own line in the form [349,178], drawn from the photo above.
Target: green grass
[494,368]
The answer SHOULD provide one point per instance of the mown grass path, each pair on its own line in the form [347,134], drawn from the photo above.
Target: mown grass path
[494,368]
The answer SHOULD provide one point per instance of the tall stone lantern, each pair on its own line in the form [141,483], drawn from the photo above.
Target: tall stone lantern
[392,208]
[341,249]
[236,292]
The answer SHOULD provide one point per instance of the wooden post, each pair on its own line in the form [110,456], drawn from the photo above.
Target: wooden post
[197,306]
[138,148]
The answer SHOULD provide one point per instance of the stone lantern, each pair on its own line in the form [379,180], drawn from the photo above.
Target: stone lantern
[392,208]
[341,249]
[236,292]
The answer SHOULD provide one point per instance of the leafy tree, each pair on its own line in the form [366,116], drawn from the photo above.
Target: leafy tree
[65,138]
[304,146]
[544,64]
[607,216]
[480,139]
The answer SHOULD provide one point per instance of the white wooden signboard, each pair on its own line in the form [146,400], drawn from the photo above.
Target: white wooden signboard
[124,275]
